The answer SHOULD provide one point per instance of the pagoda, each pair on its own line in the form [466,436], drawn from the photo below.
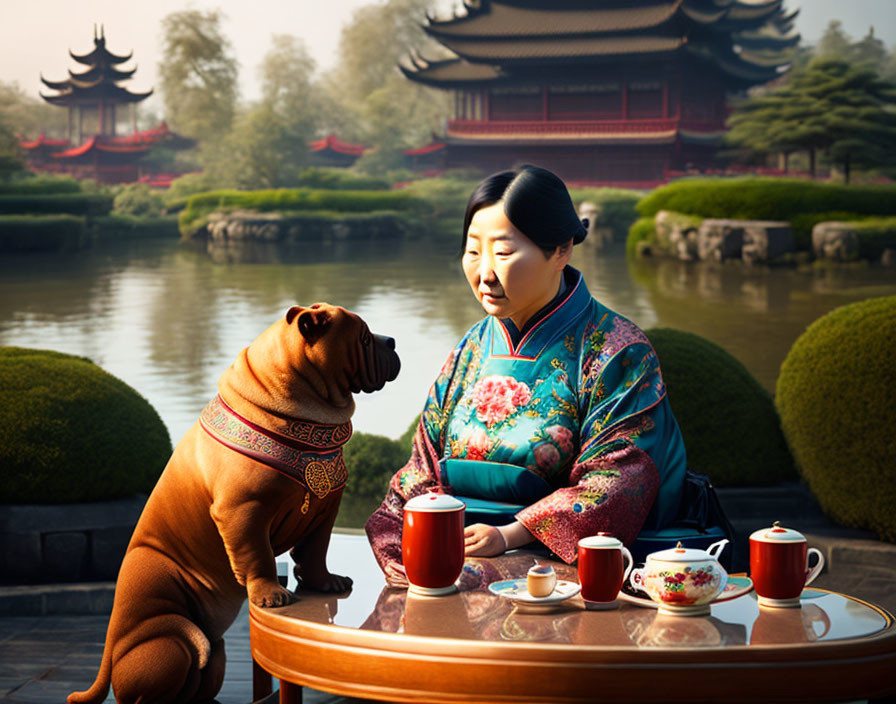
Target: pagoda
[97,147]
[601,91]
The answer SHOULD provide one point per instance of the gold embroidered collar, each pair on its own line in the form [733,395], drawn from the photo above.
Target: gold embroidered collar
[309,453]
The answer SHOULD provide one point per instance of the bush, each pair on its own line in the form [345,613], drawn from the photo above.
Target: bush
[876,235]
[766,198]
[138,199]
[371,461]
[642,230]
[73,432]
[41,185]
[341,179]
[804,223]
[50,233]
[835,397]
[297,199]
[120,227]
[728,420]
[60,203]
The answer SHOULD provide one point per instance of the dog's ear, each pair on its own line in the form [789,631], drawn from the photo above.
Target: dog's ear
[312,324]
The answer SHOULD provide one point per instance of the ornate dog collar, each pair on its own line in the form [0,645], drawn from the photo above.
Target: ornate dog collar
[308,453]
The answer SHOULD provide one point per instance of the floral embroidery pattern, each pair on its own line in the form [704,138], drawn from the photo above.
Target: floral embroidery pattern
[478,445]
[497,397]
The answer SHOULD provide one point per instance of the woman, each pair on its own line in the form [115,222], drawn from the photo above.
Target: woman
[550,418]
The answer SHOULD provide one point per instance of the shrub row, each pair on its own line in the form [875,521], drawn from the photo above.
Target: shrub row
[766,198]
[41,185]
[298,199]
[48,233]
[118,227]
[57,203]
[341,180]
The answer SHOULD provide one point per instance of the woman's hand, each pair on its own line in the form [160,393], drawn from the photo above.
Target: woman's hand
[481,540]
[395,575]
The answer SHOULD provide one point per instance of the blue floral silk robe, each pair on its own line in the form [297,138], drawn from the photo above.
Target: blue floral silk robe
[579,401]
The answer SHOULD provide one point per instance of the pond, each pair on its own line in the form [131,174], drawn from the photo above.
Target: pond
[169,318]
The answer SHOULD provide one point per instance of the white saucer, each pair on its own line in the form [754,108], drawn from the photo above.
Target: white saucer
[737,586]
[515,590]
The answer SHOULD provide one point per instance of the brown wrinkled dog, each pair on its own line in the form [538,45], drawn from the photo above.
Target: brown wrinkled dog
[223,508]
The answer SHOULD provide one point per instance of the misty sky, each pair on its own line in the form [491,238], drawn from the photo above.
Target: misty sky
[36,34]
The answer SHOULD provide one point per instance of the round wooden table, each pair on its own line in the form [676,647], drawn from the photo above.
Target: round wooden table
[473,646]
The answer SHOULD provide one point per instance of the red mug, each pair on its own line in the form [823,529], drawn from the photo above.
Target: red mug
[779,565]
[432,543]
[602,570]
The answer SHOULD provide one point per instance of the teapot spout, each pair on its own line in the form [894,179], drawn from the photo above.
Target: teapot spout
[716,548]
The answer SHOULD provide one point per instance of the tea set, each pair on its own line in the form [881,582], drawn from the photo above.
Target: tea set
[681,581]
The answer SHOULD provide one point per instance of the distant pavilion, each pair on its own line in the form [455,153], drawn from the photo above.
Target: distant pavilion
[98,107]
[601,91]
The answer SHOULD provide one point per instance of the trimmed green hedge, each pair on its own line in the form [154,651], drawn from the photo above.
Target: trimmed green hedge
[73,432]
[58,203]
[835,397]
[642,230]
[341,179]
[48,233]
[876,235]
[728,420]
[297,199]
[41,185]
[119,227]
[766,198]
[371,461]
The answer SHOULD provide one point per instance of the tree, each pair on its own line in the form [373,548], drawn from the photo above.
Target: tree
[29,117]
[843,109]
[198,74]
[834,43]
[370,100]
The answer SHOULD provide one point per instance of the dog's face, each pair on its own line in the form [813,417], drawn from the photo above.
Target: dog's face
[340,345]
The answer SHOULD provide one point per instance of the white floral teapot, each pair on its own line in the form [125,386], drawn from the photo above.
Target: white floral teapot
[683,581]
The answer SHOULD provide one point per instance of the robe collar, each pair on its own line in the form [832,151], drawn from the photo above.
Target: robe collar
[550,321]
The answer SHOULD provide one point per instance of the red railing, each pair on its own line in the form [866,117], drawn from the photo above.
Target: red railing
[557,128]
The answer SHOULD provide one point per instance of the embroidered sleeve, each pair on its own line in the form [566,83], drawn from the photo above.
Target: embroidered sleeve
[613,481]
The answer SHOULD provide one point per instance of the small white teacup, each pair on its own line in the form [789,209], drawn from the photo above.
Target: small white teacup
[541,580]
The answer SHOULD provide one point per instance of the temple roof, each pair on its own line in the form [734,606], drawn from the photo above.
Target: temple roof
[332,143]
[100,54]
[98,82]
[749,40]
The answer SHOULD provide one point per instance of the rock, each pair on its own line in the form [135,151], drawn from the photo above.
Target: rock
[598,237]
[644,249]
[683,242]
[835,240]
[720,239]
[765,240]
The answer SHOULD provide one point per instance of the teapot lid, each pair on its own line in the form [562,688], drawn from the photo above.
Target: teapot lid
[777,533]
[431,501]
[601,540]
[680,554]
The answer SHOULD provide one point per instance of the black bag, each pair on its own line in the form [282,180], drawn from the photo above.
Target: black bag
[700,509]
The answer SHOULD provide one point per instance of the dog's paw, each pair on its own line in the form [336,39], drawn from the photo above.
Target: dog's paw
[270,595]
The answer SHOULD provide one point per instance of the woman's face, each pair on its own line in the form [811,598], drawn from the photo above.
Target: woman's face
[507,271]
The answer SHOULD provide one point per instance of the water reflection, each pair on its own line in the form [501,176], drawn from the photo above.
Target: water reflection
[169,318]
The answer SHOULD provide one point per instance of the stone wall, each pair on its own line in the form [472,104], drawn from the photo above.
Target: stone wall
[42,544]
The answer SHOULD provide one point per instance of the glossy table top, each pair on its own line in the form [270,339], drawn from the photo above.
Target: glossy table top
[473,613]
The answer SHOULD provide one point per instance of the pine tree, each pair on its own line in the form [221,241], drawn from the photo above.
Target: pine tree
[843,109]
